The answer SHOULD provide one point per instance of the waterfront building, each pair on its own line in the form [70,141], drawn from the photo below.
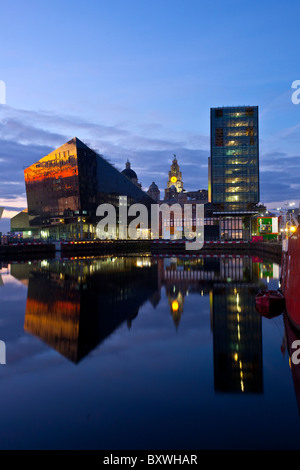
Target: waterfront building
[174,189]
[65,187]
[233,169]
[289,218]
[177,196]
[131,174]
[201,196]
[154,192]
[20,224]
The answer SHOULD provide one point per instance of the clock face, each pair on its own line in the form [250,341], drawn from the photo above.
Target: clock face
[173,179]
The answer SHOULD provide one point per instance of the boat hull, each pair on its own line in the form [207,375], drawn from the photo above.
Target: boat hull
[269,303]
[290,278]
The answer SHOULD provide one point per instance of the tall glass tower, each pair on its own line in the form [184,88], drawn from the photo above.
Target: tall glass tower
[234,160]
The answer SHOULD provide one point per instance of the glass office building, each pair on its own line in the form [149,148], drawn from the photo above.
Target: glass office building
[234,161]
[65,188]
[233,169]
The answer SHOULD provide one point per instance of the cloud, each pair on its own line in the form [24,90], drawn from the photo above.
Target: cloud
[14,157]
[41,127]
[26,136]
[279,176]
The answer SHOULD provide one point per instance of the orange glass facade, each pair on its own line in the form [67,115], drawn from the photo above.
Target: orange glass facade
[54,186]
[65,188]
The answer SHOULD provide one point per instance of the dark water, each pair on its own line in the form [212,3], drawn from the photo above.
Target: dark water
[144,353]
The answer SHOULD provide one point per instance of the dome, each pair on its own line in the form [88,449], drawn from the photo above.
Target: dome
[153,186]
[129,173]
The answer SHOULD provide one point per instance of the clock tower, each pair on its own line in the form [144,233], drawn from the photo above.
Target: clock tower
[174,184]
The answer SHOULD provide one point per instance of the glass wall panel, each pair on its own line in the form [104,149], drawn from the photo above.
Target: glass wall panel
[234,166]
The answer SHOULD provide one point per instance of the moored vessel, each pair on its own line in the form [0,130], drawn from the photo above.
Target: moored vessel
[290,277]
[269,303]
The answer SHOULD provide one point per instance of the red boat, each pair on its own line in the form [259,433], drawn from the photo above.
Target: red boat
[290,277]
[269,303]
[291,335]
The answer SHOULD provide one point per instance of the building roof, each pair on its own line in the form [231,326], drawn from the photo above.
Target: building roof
[129,172]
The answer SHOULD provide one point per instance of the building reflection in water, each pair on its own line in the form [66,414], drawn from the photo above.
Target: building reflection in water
[231,283]
[184,276]
[237,333]
[73,305]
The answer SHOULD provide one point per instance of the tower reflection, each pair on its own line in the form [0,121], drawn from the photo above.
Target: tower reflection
[231,283]
[74,305]
[237,336]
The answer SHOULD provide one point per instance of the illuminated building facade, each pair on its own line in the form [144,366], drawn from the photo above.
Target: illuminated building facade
[234,164]
[200,196]
[174,185]
[176,197]
[20,224]
[65,188]
[233,168]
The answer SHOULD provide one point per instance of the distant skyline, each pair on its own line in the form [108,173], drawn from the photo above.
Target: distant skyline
[136,80]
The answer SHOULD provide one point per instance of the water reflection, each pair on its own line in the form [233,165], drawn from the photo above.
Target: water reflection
[231,284]
[174,333]
[74,305]
[237,336]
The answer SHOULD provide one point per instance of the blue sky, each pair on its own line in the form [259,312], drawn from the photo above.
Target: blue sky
[136,80]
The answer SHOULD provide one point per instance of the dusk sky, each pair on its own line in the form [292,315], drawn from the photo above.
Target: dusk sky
[136,80]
